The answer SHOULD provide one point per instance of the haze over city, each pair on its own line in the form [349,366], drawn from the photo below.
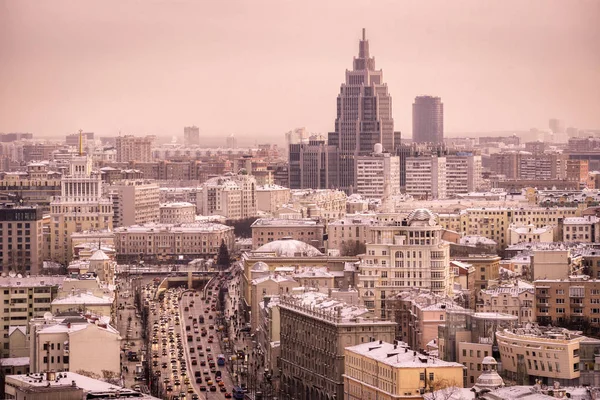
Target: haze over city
[258,69]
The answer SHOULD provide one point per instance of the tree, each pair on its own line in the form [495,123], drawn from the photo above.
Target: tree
[223,257]
[352,248]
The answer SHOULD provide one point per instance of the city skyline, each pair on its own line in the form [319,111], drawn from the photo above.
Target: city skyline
[140,70]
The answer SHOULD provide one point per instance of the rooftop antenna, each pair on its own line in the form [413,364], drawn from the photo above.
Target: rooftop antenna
[80,142]
[364,34]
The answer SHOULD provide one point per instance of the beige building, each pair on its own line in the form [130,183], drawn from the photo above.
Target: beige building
[530,234]
[315,330]
[36,186]
[134,148]
[349,234]
[81,207]
[553,262]
[24,298]
[419,313]
[511,298]
[387,371]
[164,242]
[581,229]
[403,255]
[328,204]
[270,197]
[573,300]
[486,269]
[550,355]
[493,222]
[21,239]
[266,230]
[232,196]
[71,344]
[177,213]
[268,286]
[463,173]
[135,202]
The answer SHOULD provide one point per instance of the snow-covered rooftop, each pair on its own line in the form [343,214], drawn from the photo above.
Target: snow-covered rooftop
[31,281]
[399,356]
[289,248]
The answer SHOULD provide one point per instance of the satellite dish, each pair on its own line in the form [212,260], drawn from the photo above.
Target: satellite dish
[12,274]
[48,316]
[19,276]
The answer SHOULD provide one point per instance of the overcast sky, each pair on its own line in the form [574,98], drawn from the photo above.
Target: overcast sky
[258,68]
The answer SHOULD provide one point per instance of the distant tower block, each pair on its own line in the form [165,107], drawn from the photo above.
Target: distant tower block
[231,142]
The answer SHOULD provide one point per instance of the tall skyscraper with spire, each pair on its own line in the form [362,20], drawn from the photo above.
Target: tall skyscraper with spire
[364,116]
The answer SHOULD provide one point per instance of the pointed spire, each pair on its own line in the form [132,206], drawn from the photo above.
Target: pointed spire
[364,34]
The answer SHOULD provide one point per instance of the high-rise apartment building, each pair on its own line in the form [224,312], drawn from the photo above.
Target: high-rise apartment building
[428,120]
[233,197]
[312,165]
[21,239]
[231,142]
[80,207]
[134,148]
[135,202]
[378,175]
[191,136]
[426,177]
[463,173]
[404,255]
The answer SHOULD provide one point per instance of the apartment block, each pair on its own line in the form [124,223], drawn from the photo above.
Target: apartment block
[36,186]
[574,300]
[270,197]
[378,175]
[327,204]
[21,239]
[191,136]
[530,234]
[463,173]
[426,177]
[402,255]
[25,298]
[387,371]
[516,299]
[233,197]
[585,229]
[177,213]
[486,269]
[134,148]
[135,202]
[349,234]
[577,170]
[315,330]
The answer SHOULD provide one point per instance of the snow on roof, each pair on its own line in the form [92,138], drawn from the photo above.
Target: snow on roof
[514,289]
[263,188]
[88,385]
[273,277]
[289,248]
[12,329]
[525,229]
[83,298]
[475,240]
[587,220]
[399,356]
[99,255]
[184,228]
[461,264]
[14,361]
[179,204]
[319,272]
[286,222]
[31,281]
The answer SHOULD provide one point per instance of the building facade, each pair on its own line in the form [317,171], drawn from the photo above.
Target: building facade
[265,230]
[21,239]
[315,331]
[134,148]
[428,120]
[378,175]
[135,202]
[177,213]
[426,177]
[191,136]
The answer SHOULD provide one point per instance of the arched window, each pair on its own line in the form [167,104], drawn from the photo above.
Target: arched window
[399,254]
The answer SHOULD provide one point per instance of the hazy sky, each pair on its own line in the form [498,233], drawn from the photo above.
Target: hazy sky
[258,68]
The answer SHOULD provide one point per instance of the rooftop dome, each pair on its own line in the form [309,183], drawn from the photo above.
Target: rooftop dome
[489,361]
[290,248]
[422,216]
[489,378]
[260,267]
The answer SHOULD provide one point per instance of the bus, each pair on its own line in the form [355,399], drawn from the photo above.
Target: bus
[238,393]
[221,360]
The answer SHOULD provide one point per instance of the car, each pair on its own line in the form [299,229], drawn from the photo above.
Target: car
[223,389]
[209,382]
[169,388]
[199,347]
[164,365]
[195,396]
[202,388]
[210,340]
[211,327]
[192,350]
[177,382]
[137,388]
[221,383]
[190,390]
[208,349]
[198,379]
[202,363]
[210,317]
[213,388]
[194,361]
[228,395]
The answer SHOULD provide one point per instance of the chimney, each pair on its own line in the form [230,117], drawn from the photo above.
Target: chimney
[73,384]
[381,342]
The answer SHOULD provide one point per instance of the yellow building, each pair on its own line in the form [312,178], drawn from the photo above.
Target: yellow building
[385,371]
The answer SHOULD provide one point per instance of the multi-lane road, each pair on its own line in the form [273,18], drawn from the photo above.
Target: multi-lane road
[183,340]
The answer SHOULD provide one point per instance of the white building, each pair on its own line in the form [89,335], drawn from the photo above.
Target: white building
[426,177]
[581,229]
[463,173]
[72,344]
[80,207]
[135,202]
[177,213]
[328,204]
[378,175]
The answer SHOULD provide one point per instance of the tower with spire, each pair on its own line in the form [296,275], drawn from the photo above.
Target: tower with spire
[364,117]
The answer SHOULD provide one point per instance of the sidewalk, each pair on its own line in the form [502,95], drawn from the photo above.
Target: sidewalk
[130,332]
